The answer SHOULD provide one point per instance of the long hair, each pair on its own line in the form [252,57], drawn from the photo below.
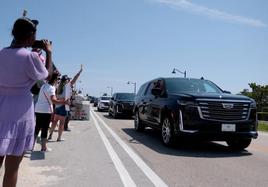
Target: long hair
[60,87]
[54,77]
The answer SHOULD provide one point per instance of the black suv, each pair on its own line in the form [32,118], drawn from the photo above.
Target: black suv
[197,108]
[121,104]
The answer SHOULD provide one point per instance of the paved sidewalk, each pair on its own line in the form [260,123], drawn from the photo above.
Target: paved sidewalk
[80,160]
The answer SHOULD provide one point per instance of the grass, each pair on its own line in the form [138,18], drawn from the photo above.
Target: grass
[263,126]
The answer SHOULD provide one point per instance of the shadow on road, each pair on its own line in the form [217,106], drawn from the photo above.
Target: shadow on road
[183,147]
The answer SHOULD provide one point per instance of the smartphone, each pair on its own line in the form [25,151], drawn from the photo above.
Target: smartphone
[38,44]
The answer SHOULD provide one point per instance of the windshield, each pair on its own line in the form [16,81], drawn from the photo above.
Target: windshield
[105,98]
[190,85]
[125,96]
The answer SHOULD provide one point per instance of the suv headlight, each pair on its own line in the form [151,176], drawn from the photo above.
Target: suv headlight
[253,104]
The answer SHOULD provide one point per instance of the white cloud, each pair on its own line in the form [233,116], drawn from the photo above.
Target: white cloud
[212,13]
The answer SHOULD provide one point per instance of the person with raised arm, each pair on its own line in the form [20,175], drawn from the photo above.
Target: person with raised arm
[62,111]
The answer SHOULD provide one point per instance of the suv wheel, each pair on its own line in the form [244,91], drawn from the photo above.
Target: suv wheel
[238,144]
[115,115]
[109,112]
[137,123]
[167,132]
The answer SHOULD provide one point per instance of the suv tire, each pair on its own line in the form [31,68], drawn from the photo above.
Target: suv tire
[238,144]
[109,112]
[167,132]
[115,115]
[138,125]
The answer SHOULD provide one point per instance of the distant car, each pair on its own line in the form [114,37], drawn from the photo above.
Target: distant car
[92,99]
[195,108]
[121,104]
[95,102]
[103,104]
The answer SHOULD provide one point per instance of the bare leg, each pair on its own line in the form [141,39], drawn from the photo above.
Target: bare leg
[11,170]
[53,125]
[61,127]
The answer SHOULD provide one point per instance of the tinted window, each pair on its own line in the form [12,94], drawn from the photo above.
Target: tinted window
[125,96]
[191,85]
[141,90]
[105,98]
[151,86]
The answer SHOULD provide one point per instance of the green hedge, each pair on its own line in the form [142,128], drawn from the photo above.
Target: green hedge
[262,116]
[263,126]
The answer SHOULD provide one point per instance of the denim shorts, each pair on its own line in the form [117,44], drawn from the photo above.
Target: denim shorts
[61,111]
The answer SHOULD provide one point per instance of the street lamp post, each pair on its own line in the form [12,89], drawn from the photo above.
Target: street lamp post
[111,90]
[135,85]
[176,70]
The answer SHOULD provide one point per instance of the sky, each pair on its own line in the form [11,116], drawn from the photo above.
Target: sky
[117,41]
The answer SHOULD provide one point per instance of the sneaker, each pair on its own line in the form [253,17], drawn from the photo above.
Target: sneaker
[60,140]
[67,129]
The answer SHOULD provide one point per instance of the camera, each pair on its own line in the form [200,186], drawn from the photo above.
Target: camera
[39,44]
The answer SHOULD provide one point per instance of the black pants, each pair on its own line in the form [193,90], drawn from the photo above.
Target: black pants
[42,123]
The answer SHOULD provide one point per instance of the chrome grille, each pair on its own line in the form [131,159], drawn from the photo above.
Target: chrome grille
[128,105]
[106,104]
[223,110]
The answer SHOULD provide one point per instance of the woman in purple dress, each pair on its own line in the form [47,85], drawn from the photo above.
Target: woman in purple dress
[19,70]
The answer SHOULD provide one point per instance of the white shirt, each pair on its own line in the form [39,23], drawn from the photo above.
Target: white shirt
[44,103]
[68,94]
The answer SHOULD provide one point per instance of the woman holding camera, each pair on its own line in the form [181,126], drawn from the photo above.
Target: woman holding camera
[20,69]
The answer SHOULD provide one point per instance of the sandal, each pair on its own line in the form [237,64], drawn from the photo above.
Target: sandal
[60,140]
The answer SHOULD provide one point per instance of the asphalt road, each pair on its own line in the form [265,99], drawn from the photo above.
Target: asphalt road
[108,152]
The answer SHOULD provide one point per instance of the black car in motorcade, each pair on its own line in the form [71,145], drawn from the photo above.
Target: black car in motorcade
[95,102]
[121,104]
[195,108]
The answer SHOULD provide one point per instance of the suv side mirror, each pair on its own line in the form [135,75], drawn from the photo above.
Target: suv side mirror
[227,92]
[156,91]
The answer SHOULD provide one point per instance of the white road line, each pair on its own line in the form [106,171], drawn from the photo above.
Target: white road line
[155,179]
[123,173]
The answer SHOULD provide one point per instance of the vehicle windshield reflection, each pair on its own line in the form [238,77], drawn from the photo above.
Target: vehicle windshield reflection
[191,85]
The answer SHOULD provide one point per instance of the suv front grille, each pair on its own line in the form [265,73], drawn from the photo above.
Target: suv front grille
[224,110]
[128,105]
